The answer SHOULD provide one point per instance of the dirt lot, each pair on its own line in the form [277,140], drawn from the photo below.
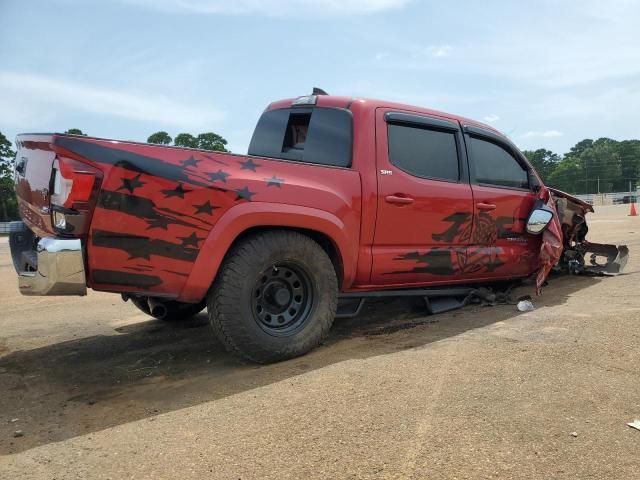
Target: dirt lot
[101,391]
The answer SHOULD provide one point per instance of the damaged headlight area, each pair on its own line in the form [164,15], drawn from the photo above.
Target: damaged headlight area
[579,256]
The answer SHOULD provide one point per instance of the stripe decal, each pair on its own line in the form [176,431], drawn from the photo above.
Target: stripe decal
[113,277]
[144,208]
[142,247]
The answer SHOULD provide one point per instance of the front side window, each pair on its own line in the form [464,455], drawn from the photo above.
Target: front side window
[424,152]
[311,135]
[494,165]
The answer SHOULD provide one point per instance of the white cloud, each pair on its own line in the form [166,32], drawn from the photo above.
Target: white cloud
[439,51]
[542,134]
[491,118]
[25,99]
[381,56]
[568,47]
[273,8]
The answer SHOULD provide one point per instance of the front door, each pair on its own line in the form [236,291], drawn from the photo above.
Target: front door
[425,203]
[500,246]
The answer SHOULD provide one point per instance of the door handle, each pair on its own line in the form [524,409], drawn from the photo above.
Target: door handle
[398,200]
[486,206]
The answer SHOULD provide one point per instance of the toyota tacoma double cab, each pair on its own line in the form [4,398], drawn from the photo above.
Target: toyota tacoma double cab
[339,199]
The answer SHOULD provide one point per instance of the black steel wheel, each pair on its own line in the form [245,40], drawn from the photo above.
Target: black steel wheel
[282,299]
[275,296]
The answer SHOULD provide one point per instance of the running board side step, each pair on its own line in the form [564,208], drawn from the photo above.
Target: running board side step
[437,300]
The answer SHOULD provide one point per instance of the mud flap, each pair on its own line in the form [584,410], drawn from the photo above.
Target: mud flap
[443,304]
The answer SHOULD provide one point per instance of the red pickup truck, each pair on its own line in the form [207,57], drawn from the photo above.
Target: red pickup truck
[338,198]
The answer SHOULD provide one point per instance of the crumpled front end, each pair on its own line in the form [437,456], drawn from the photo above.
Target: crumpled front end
[564,243]
[552,241]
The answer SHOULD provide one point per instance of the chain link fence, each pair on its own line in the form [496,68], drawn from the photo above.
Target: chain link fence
[611,198]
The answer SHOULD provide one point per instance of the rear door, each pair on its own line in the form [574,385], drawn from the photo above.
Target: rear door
[425,204]
[503,198]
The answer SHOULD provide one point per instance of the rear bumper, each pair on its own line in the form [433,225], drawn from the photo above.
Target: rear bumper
[55,267]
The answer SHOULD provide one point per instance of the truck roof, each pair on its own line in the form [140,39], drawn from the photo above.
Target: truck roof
[336,101]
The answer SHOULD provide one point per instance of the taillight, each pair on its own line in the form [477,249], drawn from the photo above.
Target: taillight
[72,182]
[74,186]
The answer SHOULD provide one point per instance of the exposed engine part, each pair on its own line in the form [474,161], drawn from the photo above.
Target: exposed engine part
[580,256]
[596,258]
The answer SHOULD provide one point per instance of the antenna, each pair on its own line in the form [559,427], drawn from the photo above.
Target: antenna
[318,91]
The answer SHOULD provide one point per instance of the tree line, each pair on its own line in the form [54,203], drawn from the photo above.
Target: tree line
[591,166]
[203,141]
[8,204]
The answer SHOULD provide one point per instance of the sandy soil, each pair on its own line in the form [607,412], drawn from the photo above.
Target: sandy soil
[101,391]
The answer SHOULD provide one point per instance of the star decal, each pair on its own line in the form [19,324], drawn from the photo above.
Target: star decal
[179,191]
[190,241]
[131,184]
[249,165]
[206,207]
[219,175]
[160,222]
[244,193]
[190,162]
[274,182]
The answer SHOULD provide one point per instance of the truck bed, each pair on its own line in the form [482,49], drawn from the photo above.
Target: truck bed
[162,217]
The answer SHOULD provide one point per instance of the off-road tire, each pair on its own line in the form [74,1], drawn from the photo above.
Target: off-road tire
[176,311]
[233,313]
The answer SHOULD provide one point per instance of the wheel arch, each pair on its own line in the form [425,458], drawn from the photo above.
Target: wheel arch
[322,239]
[248,219]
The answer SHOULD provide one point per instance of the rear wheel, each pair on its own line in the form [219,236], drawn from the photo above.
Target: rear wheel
[275,297]
[175,311]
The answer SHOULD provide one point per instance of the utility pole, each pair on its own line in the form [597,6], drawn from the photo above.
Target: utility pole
[586,177]
[598,185]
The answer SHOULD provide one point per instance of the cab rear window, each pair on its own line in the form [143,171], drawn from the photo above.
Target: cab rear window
[310,135]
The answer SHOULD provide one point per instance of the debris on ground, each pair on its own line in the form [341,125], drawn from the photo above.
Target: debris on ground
[486,296]
[574,434]
[525,306]
[635,424]
[18,433]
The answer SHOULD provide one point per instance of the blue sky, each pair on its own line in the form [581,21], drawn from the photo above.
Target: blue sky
[547,73]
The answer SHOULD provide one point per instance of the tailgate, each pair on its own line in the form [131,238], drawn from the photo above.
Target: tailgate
[34,162]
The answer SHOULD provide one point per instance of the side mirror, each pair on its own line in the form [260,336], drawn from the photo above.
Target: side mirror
[539,219]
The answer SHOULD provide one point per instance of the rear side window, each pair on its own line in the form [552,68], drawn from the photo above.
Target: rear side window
[495,165]
[424,152]
[310,135]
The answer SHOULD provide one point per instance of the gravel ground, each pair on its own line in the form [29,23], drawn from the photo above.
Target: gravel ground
[100,391]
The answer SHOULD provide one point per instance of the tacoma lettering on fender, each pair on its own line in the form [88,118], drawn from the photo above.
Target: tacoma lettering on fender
[338,198]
